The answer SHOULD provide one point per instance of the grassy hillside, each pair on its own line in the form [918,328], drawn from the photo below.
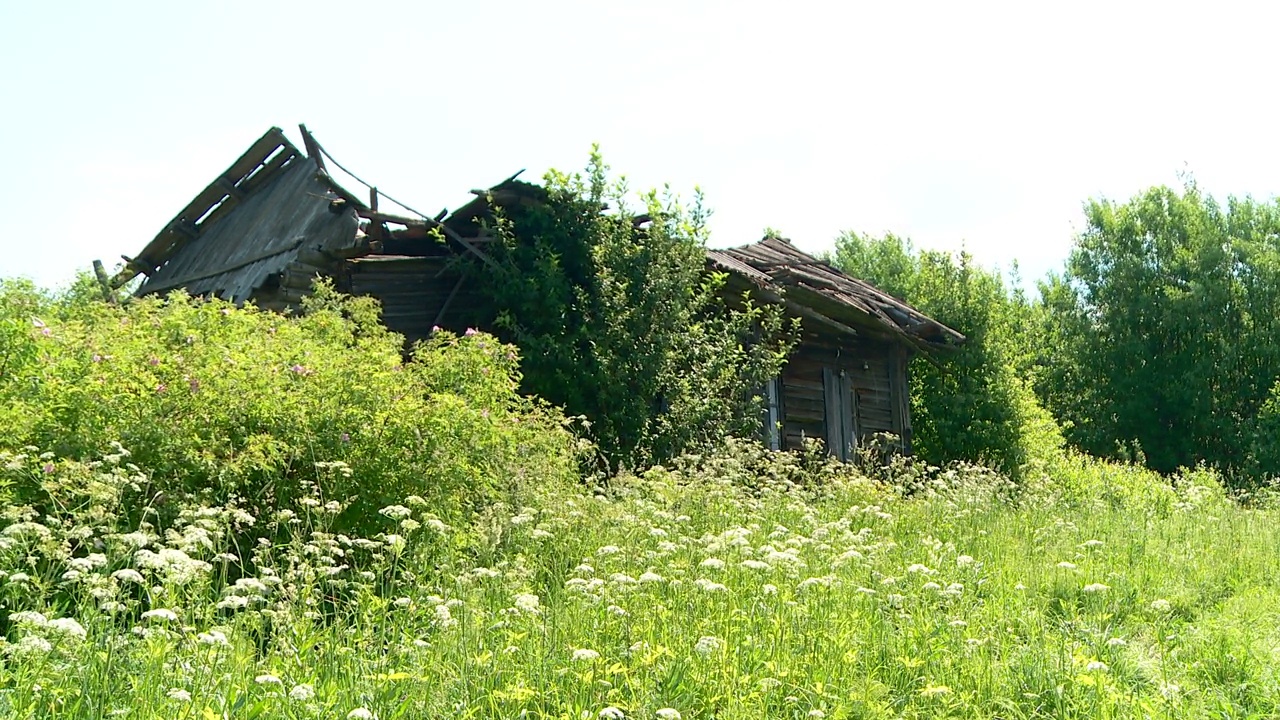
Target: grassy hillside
[146,579]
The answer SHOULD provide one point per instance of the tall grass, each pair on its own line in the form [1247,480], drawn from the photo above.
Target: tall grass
[726,588]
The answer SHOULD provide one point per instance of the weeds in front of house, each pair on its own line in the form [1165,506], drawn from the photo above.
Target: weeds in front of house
[214,513]
[809,591]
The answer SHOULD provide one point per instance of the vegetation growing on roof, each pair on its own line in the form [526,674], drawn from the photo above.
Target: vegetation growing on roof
[619,321]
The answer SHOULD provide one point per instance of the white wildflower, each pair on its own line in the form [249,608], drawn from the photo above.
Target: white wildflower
[302,692]
[918,568]
[609,550]
[31,645]
[1067,565]
[709,585]
[1161,605]
[1116,642]
[395,512]
[528,603]
[178,694]
[712,563]
[1096,588]
[668,714]
[611,713]
[931,586]
[29,617]
[444,618]
[707,645]
[756,565]
[233,602]
[68,627]
[1096,666]
[361,714]
[267,679]
[769,589]
[213,637]
[585,655]
[650,577]
[162,614]
[964,560]
[128,575]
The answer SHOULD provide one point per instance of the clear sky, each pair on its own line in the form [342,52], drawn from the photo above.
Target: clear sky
[957,124]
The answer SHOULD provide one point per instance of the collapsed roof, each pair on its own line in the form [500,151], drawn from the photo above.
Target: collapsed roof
[816,290]
[277,211]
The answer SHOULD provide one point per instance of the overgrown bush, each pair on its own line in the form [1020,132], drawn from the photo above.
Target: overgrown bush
[979,406]
[619,321]
[230,402]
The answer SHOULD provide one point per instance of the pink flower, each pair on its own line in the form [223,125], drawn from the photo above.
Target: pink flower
[36,322]
[435,329]
[48,468]
[97,358]
[161,388]
[470,332]
[300,370]
[153,361]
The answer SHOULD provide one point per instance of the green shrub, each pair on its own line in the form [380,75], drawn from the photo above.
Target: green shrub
[619,321]
[979,406]
[237,402]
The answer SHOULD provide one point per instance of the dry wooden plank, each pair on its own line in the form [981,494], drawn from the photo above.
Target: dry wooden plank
[313,148]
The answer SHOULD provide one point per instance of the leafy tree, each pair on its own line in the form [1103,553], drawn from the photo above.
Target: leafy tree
[1163,328]
[619,320]
[979,405]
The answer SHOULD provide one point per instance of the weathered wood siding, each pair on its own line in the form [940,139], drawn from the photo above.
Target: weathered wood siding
[843,393]
[416,293]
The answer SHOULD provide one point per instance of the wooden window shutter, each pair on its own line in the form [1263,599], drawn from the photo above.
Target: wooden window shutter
[839,412]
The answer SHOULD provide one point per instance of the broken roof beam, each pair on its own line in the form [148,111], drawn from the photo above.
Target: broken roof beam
[313,148]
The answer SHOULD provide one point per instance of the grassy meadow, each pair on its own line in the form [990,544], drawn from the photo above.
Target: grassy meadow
[207,514]
[724,589]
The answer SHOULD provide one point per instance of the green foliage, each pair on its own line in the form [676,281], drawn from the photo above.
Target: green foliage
[236,403]
[619,321]
[745,584]
[979,406]
[1162,337]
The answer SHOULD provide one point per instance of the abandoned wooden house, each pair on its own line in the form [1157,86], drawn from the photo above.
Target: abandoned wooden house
[276,219]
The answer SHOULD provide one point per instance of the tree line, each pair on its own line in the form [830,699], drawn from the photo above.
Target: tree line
[1156,342]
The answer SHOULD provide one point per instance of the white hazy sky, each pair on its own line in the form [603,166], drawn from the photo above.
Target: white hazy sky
[957,124]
